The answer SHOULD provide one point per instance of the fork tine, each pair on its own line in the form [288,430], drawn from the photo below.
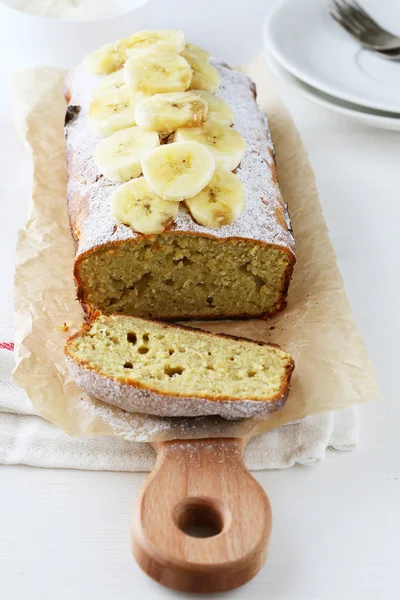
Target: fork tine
[345,24]
[340,21]
[362,17]
[361,26]
[347,17]
[339,5]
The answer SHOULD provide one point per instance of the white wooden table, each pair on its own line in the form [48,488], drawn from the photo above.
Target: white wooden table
[65,534]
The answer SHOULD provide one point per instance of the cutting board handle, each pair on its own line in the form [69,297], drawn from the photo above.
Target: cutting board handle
[199,488]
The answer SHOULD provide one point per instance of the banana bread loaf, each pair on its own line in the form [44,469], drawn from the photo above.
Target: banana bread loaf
[145,366]
[213,243]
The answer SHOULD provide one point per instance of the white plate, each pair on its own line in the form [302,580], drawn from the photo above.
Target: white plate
[352,111]
[305,40]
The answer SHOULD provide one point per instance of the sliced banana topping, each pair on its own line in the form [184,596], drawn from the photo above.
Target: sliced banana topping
[111,57]
[157,86]
[205,76]
[157,72]
[218,109]
[106,59]
[195,53]
[112,110]
[119,156]
[113,81]
[220,202]
[135,204]
[179,170]
[161,40]
[226,144]
[167,112]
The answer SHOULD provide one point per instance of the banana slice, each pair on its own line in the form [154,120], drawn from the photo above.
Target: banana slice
[106,59]
[136,205]
[226,144]
[178,171]
[111,57]
[205,76]
[119,156]
[220,202]
[113,81]
[167,112]
[111,111]
[195,53]
[165,40]
[218,109]
[157,72]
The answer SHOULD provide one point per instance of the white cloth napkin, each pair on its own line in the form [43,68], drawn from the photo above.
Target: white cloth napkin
[26,438]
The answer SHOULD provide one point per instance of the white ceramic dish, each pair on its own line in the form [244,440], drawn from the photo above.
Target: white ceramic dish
[29,40]
[351,111]
[304,39]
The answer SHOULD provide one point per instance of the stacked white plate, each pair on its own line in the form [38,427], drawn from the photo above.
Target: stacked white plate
[309,50]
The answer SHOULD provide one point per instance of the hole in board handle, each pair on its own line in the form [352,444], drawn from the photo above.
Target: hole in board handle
[201,517]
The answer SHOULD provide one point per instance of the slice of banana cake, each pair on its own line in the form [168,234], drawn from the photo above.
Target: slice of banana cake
[155,368]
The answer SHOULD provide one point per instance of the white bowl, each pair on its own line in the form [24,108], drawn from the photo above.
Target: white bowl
[30,40]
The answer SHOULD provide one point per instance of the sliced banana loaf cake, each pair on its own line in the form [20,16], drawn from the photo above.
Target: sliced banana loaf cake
[155,368]
[173,199]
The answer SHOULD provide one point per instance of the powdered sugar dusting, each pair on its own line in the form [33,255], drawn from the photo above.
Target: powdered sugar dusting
[141,400]
[131,427]
[137,427]
[90,193]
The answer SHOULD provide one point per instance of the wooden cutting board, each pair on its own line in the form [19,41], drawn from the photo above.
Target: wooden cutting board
[201,487]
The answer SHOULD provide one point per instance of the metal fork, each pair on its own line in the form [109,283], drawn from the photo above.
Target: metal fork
[389,54]
[358,23]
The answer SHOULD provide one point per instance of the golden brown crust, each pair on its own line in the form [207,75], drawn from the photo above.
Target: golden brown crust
[281,394]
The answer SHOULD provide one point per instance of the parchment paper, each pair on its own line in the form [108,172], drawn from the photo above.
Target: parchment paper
[332,366]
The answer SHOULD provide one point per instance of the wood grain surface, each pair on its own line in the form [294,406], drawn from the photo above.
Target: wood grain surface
[201,488]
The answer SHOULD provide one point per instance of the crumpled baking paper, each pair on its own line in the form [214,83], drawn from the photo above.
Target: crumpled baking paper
[333,369]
